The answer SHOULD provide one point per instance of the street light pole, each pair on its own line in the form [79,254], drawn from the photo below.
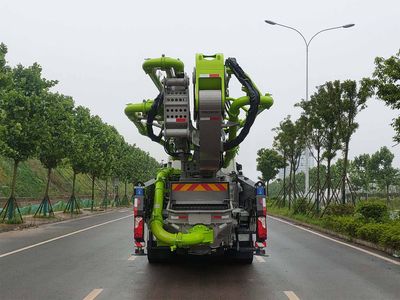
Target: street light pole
[307,44]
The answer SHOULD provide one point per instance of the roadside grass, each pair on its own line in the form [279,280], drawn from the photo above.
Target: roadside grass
[284,211]
[32,179]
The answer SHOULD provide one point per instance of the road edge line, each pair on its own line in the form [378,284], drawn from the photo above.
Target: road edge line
[61,237]
[337,241]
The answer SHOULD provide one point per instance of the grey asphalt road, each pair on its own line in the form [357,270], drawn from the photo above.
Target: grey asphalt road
[92,258]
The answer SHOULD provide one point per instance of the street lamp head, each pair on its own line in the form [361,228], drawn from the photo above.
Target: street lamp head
[270,22]
[348,25]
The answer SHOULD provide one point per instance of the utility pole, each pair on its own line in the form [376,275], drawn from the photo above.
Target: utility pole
[307,44]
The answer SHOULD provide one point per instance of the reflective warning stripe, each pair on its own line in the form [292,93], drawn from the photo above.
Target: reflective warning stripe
[209,75]
[212,118]
[199,187]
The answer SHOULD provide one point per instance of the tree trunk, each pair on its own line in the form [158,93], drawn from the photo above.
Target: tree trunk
[11,205]
[294,182]
[387,194]
[318,179]
[126,188]
[93,181]
[73,184]
[46,194]
[328,179]
[14,179]
[290,184]
[344,175]
[105,200]
[267,191]
[284,184]
[106,191]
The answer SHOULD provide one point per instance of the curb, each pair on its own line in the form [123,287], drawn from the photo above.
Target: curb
[391,252]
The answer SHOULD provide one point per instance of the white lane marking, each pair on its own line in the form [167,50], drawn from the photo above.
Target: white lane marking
[259,259]
[132,257]
[93,294]
[62,236]
[396,262]
[291,295]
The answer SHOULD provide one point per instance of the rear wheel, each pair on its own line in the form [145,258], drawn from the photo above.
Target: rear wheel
[242,257]
[156,254]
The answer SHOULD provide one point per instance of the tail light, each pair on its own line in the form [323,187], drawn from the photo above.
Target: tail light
[263,204]
[138,231]
[261,229]
[136,205]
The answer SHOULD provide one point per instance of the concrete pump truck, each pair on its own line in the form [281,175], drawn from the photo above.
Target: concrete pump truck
[199,203]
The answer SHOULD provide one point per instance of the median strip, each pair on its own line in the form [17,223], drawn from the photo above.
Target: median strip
[62,236]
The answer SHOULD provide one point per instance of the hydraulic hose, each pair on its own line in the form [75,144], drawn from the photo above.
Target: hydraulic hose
[134,109]
[254,100]
[198,234]
[151,116]
[233,112]
[151,108]
[163,63]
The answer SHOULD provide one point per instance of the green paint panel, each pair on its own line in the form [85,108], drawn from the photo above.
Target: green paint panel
[210,75]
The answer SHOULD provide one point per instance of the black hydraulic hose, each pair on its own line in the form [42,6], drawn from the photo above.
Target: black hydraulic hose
[151,116]
[254,100]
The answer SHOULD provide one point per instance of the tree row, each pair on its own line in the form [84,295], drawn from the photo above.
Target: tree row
[36,122]
[325,128]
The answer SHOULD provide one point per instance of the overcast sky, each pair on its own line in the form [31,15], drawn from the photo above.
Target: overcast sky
[96,49]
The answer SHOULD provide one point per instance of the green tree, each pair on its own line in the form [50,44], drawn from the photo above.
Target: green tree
[387,80]
[290,139]
[337,172]
[57,130]
[382,170]
[281,144]
[360,172]
[353,100]
[80,151]
[314,132]
[5,82]
[97,140]
[317,175]
[269,162]
[109,146]
[122,167]
[22,118]
[330,111]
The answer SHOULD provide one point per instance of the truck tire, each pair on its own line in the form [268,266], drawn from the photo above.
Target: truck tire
[242,257]
[156,256]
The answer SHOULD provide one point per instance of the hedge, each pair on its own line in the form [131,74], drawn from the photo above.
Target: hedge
[385,234]
[373,210]
[340,210]
[372,232]
[343,224]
